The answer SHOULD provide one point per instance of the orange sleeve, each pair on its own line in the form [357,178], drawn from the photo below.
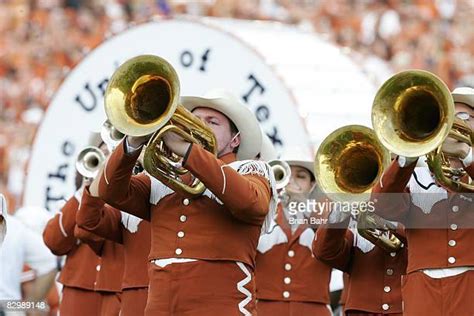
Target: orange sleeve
[247,197]
[58,234]
[98,218]
[390,195]
[333,245]
[92,240]
[118,188]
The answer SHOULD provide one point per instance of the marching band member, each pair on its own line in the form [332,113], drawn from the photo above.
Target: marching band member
[92,273]
[374,286]
[126,229]
[440,272]
[78,274]
[202,249]
[290,280]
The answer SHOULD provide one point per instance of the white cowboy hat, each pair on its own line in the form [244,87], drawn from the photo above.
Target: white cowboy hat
[267,151]
[464,95]
[298,157]
[239,114]
[309,165]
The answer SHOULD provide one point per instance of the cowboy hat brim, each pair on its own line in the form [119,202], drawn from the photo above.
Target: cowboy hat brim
[309,165]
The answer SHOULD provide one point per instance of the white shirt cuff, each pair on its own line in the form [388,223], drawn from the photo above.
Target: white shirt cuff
[129,149]
[406,161]
[337,215]
[468,160]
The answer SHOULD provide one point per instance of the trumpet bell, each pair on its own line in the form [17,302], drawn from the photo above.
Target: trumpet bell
[142,98]
[350,162]
[412,113]
[89,162]
[142,95]
[281,171]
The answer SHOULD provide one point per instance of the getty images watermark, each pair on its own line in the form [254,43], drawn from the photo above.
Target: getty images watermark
[316,212]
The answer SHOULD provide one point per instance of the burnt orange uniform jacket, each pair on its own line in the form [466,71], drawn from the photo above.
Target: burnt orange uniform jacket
[375,275]
[423,204]
[134,234]
[287,271]
[109,271]
[222,224]
[286,267]
[92,264]
[439,233]
[79,271]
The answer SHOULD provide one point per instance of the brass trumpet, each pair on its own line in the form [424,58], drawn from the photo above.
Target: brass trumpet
[349,162]
[142,98]
[281,171]
[89,161]
[412,114]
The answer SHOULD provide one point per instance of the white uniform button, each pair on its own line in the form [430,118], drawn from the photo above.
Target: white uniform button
[287,280]
[454,226]
[98,268]
[286,294]
[451,260]
[393,254]
[387,289]
[455,208]
[183,218]
[385,307]
[180,234]
[291,253]
[287,267]
[186,202]
[389,271]
[452,243]
[178,251]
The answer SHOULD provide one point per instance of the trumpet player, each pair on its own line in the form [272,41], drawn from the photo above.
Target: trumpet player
[91,275]
[124,229]
[290,280]
[374,286]
[203,249]
[440,272]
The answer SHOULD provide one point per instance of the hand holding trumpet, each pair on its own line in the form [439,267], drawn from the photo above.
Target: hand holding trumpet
[454,148]
[176,143]
[138,141]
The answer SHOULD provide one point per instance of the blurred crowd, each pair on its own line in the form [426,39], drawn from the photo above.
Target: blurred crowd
[42,40]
